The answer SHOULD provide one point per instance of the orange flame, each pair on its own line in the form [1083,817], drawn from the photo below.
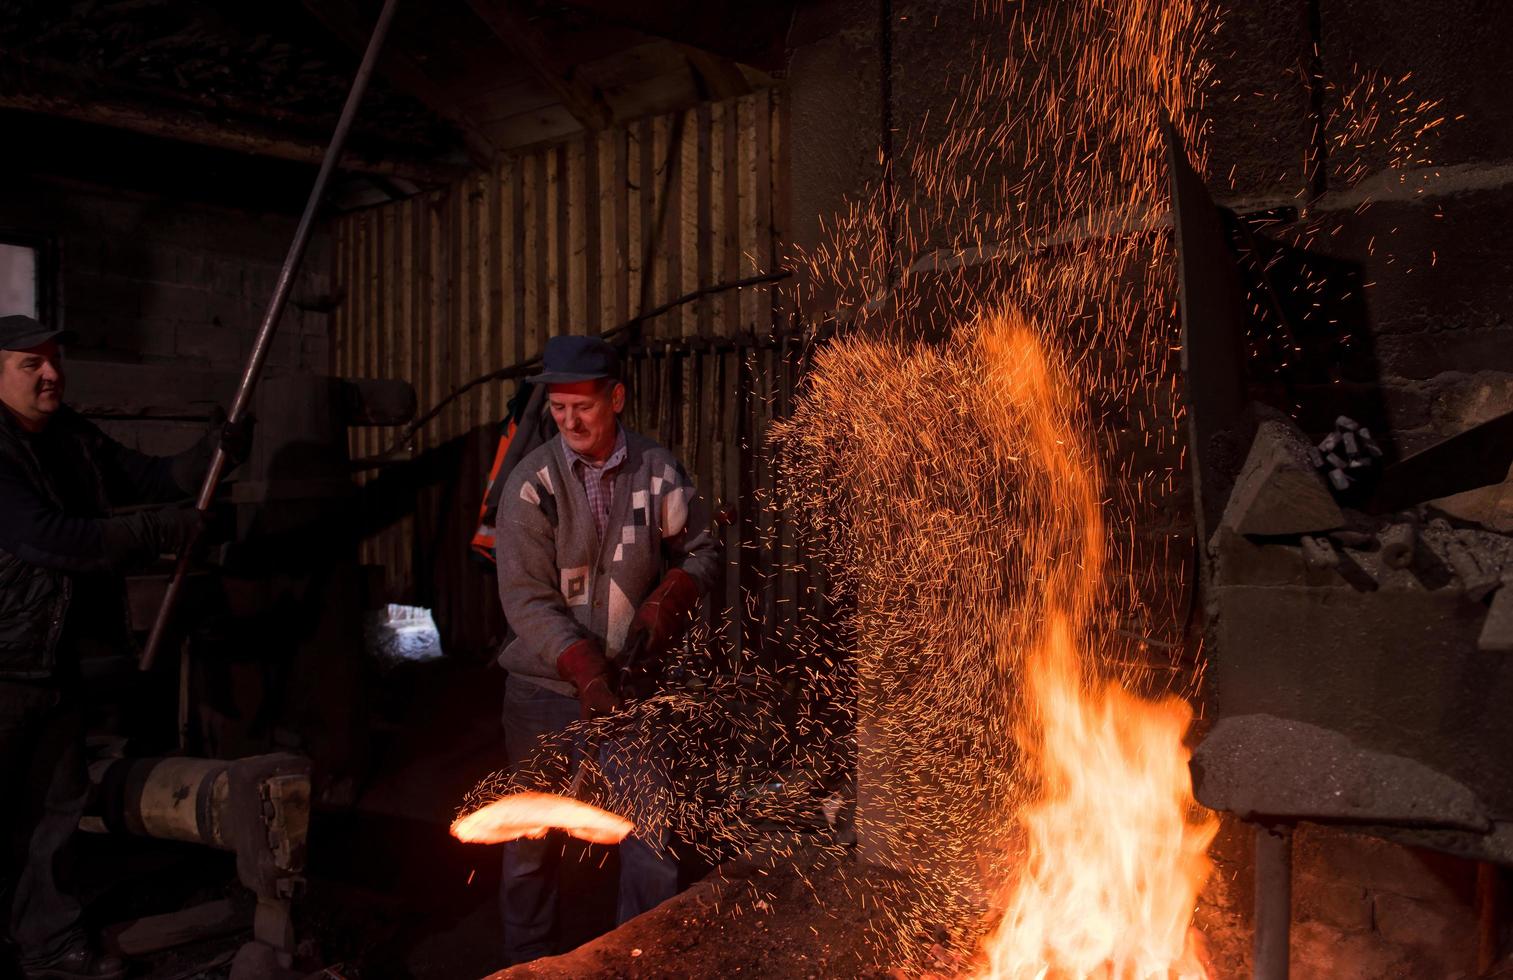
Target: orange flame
[533,814]
[1116,850]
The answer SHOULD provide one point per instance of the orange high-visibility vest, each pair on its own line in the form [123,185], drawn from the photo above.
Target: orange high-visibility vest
[523,429]
[483,538]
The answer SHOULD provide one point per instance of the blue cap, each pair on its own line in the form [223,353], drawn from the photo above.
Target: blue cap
[570,359]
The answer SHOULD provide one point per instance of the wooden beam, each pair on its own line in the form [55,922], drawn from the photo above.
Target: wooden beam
[192,126]
[718,78]
[531,45]
[340,18]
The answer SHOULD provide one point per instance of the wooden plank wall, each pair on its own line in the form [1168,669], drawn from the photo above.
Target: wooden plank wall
[572,238]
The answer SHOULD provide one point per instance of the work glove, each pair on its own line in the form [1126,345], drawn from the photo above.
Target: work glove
[177,527]
[139,538]
[583,665]
[188,467]
[181,525]
[235,437]
[663,618]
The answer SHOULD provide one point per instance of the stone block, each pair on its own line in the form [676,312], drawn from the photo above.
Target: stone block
[834,153]
[1259,104]
[137,258]
[1460,402]
[110,295]
[148,337]
[1278,490]
[1385,868]
[189,266]
[230,310]
[1343,905]
[104,388]
[170,301]
[1407,405]
[87,256]
[1417,357]
[1427,925]
[1322,952]
[211,345]
[224,276]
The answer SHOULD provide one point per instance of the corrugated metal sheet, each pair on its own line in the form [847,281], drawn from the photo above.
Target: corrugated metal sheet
[577,238]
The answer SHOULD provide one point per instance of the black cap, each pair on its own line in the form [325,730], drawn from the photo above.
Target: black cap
[573,358]
[21,332]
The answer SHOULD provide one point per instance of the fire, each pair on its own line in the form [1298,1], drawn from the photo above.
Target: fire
[533,814]
[1115,850]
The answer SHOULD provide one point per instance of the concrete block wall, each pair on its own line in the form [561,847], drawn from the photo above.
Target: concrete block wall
[142,279]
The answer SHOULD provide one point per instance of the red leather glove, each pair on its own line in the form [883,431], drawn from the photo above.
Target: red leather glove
[583,665]
[665,615]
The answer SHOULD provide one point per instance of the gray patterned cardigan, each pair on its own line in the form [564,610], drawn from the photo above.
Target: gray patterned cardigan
[559,583]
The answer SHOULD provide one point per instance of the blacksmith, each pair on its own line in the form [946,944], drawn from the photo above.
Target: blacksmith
[603,545]
[63,604]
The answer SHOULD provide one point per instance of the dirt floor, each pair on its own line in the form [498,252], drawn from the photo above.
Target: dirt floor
[391,896]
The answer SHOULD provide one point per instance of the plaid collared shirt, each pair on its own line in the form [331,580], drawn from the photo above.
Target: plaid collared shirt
[598,481]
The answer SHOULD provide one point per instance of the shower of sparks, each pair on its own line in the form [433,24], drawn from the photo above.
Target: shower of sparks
[1008,521]
[988,465]
[1004,764]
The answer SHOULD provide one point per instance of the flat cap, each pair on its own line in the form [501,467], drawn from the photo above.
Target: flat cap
[21,332]
[573,358]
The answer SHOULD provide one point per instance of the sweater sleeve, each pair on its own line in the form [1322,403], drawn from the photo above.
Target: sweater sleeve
[529,586]
[692,545]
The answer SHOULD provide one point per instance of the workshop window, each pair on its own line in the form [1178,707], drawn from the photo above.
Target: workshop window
[20,279]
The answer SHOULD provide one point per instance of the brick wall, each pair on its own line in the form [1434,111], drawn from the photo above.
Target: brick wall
[146,280]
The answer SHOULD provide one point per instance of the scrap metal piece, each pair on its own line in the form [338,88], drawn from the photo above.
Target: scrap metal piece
[1478,457]
[1273,901]
[1398,544]
[1477,578]
[1319,553]
[1213,336]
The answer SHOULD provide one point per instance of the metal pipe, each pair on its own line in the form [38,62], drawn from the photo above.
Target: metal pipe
[1273,900]
[275,311]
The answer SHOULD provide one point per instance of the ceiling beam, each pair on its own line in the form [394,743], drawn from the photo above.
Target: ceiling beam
[531,45]
[717,78]
[190,126]
[342,20]
[751,33]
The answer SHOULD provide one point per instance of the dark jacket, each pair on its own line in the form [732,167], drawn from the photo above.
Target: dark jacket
[51,533]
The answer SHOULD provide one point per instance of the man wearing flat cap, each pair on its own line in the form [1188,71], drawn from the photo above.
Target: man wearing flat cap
[63,602]
[603,547]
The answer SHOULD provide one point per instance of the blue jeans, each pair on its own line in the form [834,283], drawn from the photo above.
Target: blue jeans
[528,888]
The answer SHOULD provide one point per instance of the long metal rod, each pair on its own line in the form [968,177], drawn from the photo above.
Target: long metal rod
[280,298]
[1273,900]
